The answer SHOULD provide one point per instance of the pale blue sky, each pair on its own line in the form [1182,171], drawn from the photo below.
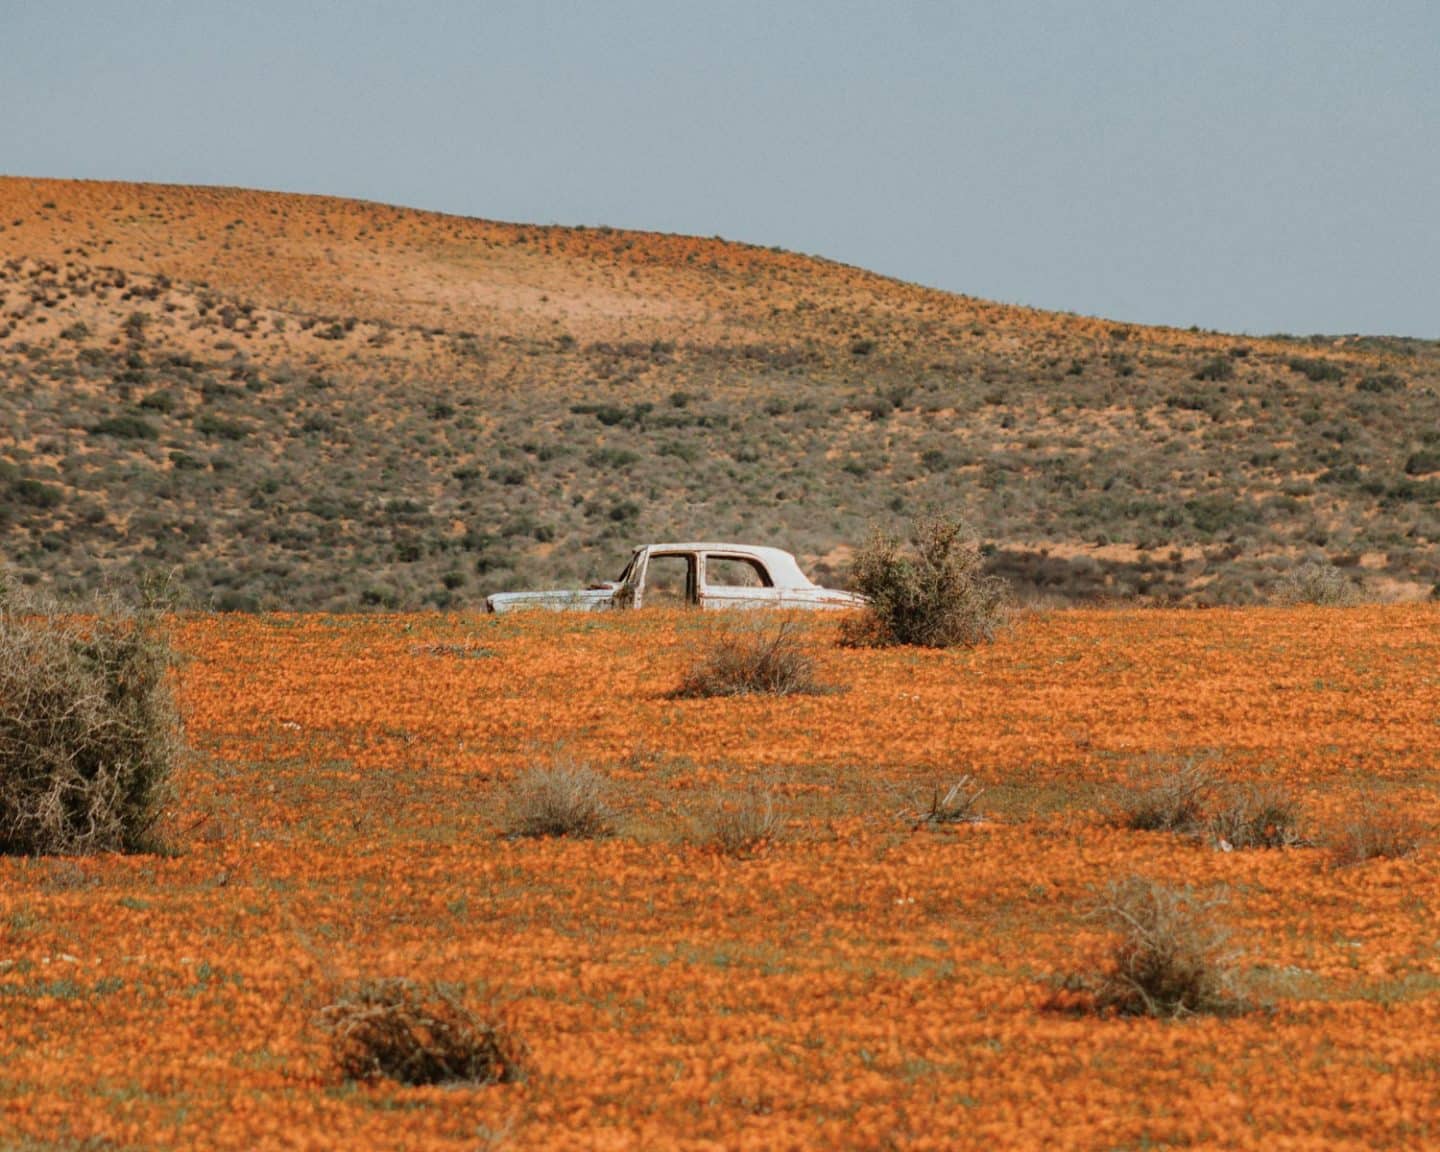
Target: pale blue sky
[1250,166]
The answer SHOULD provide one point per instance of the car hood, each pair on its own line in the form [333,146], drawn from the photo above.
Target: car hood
[593,600]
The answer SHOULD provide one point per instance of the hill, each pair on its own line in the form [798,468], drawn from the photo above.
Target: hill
[310,402]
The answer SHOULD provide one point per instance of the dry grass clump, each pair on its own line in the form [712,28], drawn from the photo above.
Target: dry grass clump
[1375,833]
[1190,800]
[559,799]
[955,805]
[1262,816]
[1168,799]
[1167,959]
[741,825]
[1316,583]
[935,593]
[396,1029]
[752,658]
[89,733]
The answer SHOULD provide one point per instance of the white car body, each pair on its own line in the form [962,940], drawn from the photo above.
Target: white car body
[715,576]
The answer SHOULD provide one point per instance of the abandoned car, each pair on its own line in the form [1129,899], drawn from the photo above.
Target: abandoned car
[699,575]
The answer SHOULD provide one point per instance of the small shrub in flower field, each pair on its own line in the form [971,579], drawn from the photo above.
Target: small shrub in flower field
[742,825]
[396,1029]
[752,658]
[935,593]
[1167,958]
[1375,833]
[559,799]
[89,733]
[1167,799]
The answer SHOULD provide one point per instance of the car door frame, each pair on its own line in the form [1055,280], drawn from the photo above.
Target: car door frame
[692,574]
[724,596]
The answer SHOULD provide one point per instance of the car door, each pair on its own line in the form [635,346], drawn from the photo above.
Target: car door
[734,580]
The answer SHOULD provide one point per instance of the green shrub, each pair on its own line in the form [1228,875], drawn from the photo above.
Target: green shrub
[29,491]
[1315,368]
[1216,368]
[89,734]
[1422,462]
[935,594]
[126,426]
[399,1030]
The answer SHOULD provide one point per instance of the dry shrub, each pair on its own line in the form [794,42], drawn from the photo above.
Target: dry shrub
[559,799]
[956,805]
[1168,958]
[1264,816]
[1167,799]
[935,593]
[399,1030]
[89,734]
[1316,583]
[1375,833]
[742,825]
[751,657]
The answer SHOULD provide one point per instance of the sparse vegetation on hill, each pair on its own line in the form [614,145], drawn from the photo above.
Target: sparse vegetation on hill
[308,402]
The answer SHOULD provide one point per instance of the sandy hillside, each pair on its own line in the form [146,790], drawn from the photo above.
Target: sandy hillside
[309,401]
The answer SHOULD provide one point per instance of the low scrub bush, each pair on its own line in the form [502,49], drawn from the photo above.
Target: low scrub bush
[1216,368]
[559,799]
[1375,833]
[751,657]
[953,805]
[1167,958]
[934,593]
[742,825]
[1422,463]
[399,1030]
[89,733]
[1264,816]
[1315,368]
[1169,799]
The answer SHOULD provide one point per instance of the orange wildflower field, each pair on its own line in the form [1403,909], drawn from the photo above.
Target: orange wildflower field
[863,980]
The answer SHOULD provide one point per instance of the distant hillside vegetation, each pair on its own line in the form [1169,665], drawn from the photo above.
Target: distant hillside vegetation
[305,402]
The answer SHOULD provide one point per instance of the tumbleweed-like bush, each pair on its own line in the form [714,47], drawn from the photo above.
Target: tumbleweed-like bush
[1375,832]
[1167,958]
[1257,816]
[952,805]
[89,733]
[400,1030]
